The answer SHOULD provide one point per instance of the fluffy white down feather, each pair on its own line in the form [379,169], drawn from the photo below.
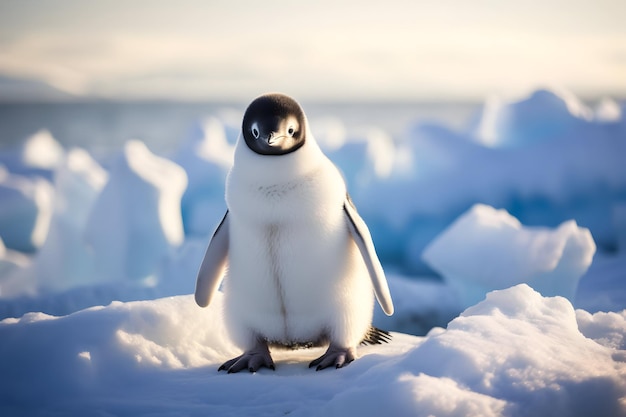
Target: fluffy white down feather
[294,272]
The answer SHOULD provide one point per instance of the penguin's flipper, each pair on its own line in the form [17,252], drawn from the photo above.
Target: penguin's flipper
[212,269]
[363,239]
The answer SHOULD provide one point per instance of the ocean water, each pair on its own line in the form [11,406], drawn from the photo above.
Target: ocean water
[103,127]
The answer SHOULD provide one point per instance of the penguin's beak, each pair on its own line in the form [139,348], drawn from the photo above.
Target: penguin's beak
[273,139]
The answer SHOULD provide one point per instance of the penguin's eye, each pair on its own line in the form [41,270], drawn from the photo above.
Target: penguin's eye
[291,131]
[255,131]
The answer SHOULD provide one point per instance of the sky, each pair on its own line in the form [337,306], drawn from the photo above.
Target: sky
[326,49]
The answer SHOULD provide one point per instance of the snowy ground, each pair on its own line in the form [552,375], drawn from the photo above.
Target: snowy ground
[517,353]
[531,193]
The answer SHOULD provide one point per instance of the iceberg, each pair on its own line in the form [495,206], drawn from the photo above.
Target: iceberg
[10,263]
[206,156]
[544,116]
[545,159]
[64,261]
[40,154]
[25,211]
[362,157]
[487,249]
[136,219]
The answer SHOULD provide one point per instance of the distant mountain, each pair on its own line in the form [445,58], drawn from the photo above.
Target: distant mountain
[22,89]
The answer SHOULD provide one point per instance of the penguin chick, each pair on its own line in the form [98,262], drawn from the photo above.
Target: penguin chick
[298,262]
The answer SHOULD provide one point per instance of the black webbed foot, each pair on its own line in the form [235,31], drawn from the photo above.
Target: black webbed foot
[253,359]
[335,356]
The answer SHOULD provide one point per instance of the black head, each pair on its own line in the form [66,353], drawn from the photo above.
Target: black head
[274,124]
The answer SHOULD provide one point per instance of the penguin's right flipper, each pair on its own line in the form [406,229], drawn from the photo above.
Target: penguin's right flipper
[212,269]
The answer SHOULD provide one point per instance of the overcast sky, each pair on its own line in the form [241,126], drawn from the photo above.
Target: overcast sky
[324,49]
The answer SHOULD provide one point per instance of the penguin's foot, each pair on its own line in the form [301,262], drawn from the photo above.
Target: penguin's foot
[335,356]
[252,359]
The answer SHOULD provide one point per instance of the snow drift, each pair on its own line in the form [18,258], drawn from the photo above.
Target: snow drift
[514,354]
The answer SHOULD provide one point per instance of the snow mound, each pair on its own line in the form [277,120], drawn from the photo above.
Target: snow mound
[515,354]
[99,347]
[487,249]
[136,219]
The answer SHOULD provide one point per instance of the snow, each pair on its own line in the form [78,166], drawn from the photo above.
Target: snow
[503,242]
[515,353]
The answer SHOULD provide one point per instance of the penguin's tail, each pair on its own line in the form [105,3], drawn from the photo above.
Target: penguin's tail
[376,336]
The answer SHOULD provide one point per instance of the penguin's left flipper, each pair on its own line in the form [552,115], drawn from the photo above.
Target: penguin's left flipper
[212,269]
[361,236]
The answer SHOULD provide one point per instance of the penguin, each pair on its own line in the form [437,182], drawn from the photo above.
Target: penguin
[298,263]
